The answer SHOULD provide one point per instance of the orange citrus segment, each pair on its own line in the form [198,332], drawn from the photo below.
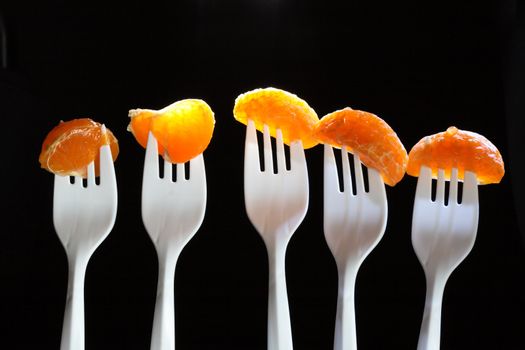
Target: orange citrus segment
[367,136]
[70,146]
[278,109]
[140,126]
[454,148]
[183,129]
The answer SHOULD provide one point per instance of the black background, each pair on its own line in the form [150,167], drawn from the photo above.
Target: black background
[421,66]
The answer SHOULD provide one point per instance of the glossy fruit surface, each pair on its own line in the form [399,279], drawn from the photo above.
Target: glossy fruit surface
[183,129]
[278,109]
[455,148]
[71,145]
[368,136]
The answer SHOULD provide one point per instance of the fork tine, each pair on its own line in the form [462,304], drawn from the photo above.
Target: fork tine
[107,169]
[347,176]
[281,162]
[470,189]
[181,173]
[440,188]
[151,160]
[268,161]
[168,174]
[424,183]
[251,149]
[297,158]
[78,181]
[331,180]
[91,174]
[197,169]
[61,181]
[358,169]
[453,194]
[375,181]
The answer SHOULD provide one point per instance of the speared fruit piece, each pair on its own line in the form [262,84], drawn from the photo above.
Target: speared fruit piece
[455,148]
[278,109]
[367,136]
[183,129]
[71,145]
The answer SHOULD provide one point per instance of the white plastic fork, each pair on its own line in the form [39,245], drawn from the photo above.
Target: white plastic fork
[276,203]
[353,226]
[442,236]
[172,212]
[83,217]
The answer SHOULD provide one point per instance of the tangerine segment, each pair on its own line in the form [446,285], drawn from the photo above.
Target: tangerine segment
[70,146]
[278,109]
[454,148]
[183,129]
[140,126]
[368,136]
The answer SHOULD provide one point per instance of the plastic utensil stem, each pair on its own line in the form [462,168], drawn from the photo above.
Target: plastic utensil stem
[73,325]
[279,328]
[345,337]
[163,333]
[429,338]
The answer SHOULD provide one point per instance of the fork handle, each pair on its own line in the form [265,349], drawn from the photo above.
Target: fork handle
[163,333]
[279,328]
[345,337]
[73,324]
[430,334]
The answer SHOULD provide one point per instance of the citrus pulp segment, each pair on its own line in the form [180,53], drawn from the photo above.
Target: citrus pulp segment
[278,109]
[71,145]
[368,136]
[183,129]
[455,148]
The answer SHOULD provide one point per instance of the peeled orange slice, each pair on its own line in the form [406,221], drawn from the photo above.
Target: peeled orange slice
[183,129]
[454,148]
[368,136]
[70,146]
[278,109]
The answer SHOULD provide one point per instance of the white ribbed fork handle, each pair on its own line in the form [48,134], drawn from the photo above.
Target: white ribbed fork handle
[73,337]
[163,333]
[345,337]
[430,333]
[279,327]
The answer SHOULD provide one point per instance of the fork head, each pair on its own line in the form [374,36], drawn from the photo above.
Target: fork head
[443,233]
[353,223]
[84,215]
[276,200]
[172,211]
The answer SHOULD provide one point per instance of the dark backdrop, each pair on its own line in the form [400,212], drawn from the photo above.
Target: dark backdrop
[421,66]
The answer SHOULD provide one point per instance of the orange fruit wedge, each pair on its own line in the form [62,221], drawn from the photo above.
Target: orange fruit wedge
[183,129]
[278,109]
[454,148]
[71,145]
[367,136]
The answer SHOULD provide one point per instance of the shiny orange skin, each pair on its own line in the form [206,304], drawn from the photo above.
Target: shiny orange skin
[71,145]
[454,148]
[278,109]
[183,129]
[367,136]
